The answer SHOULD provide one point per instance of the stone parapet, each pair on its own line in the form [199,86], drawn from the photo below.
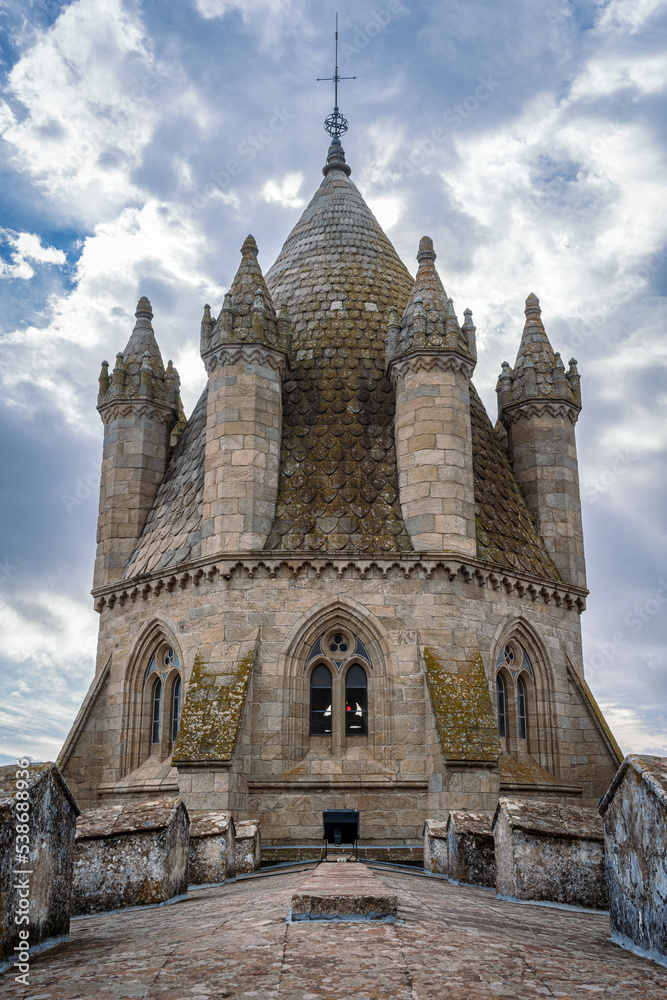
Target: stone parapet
[548,851]
[634,811]
[436,859]
[37,823]
[248,847]
[470,848]
[130,855]
[211,854]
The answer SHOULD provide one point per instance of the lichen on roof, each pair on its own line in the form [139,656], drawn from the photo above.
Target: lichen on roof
[172,532]
[339,276]
[461,701]
[212,712]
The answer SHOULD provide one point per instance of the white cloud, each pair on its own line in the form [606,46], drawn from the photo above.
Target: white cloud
[285,192]
[628,14]
[27,247]
[387,209]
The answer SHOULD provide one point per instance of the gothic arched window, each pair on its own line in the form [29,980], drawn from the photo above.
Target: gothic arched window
[175,708]
[157,711]
[356,701]
[501,705]
[320,701]
[521,709]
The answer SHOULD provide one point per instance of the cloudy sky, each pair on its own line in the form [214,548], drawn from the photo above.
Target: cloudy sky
[142,140]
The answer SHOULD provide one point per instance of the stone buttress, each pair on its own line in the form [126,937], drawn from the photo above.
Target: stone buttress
[245,353]
[139,404]
[538,405]
[431,359]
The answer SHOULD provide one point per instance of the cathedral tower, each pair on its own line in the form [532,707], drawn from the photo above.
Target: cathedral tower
[332,588]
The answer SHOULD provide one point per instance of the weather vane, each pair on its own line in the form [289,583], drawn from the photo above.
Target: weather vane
[335,124]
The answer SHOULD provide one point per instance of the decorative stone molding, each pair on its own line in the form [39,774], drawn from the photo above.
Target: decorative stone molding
[246,354]
[426,566]
[428,361]
[136,408]
[541,408]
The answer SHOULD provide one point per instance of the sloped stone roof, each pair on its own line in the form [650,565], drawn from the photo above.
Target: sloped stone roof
[339,276]
[172,533]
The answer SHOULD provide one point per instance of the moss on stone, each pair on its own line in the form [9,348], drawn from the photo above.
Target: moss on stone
[212,713]
[462,706]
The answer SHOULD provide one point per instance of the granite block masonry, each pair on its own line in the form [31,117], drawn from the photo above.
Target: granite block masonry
[37,849]
[360,592]
[248,847]
[130,855]
[211,854]
[634,812]
[471,848]
[547,851]
[339,890]
[436,857]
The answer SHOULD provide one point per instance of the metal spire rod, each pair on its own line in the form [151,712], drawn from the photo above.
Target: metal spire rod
[335,124]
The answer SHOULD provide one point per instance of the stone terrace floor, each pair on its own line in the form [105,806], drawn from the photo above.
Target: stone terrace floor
[451,943]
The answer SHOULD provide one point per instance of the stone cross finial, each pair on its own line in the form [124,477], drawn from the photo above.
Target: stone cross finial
[426,251]
[144,308]
[249,246]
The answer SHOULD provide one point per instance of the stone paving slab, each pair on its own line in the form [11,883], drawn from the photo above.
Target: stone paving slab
[450,943]
[343,889]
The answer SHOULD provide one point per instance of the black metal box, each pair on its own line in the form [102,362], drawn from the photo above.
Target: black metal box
[340,826]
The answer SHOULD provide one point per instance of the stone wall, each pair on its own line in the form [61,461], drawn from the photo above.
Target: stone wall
[211,854]
[471,848]
[130,855]
[436,858]
[38,887]
[547,851]
[248,847]
[634,811]
[396,776]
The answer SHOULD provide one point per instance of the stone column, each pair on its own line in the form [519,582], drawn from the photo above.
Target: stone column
[434,450]
[243,432]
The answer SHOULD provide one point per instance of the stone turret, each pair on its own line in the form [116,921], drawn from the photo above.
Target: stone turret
[538,405]
[140,405]
[431,359]
[245,352]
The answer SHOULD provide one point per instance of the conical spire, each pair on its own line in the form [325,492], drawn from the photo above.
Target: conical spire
[142,340]
[538,372]
[429,320]
[248,315]
[139,371]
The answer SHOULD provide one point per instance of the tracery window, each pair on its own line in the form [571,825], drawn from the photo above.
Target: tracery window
[163,699]
[514,680]
[339,684]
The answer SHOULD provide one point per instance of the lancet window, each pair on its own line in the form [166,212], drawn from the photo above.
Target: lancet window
[515,683]
[339,668]
[163,698]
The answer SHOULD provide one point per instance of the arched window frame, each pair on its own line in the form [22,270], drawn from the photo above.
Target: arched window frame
[320,719]
[531,664]
[356,722]
[501,704]
[156,712]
